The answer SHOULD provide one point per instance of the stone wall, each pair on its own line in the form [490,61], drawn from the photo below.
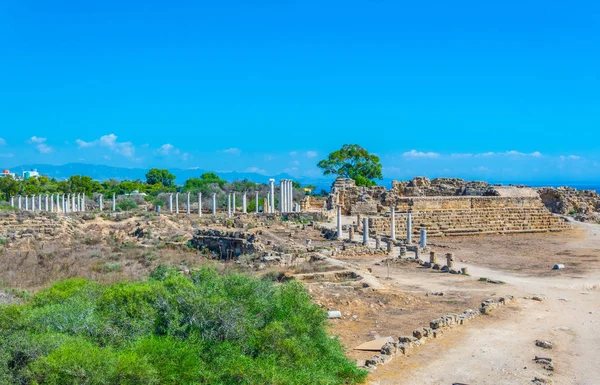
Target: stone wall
[440,193]
[472,221]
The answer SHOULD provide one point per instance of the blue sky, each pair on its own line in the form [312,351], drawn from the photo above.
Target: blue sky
[500,91]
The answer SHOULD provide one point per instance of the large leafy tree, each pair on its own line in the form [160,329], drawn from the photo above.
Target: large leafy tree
[353,161]
[157,175]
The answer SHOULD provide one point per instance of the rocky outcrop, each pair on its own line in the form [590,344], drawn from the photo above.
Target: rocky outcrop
[568,200]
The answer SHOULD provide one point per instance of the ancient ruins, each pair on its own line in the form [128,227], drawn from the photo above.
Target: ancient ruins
[424,262]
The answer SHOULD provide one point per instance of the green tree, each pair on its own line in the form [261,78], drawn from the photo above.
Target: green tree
[353,161]
[8,187]
[156,175]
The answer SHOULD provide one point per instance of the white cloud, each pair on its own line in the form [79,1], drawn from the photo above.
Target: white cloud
[7,155]
[570,157]
[269,157]
[185,156]
[461,155]
[256,170]
[43,148]
[310,154]
[166,149]
[293,153]
[35,139]
[296,163]
[535,154]
[110,141]
[233,151]
[83,144]
[419,154]
[2,142]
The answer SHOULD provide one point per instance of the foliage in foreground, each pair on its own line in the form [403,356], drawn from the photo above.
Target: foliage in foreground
[171,329]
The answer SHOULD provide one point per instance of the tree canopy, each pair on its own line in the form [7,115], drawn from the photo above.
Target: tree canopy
[353,161]
[157,175]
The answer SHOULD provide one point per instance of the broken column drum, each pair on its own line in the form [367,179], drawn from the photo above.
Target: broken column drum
[365,231]
[432,258]
[423,239]
[450,261]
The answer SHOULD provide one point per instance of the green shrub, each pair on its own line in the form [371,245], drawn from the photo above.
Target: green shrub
[3,242]
[204,328]
[127,205]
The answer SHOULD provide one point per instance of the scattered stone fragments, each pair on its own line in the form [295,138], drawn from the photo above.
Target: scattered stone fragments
[420,335]
[543,344]
[541,381]
[547,362]
[332,314]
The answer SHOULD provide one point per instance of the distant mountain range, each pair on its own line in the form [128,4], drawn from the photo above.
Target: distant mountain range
[102,172]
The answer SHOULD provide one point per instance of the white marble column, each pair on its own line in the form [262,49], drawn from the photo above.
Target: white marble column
[365,231]
[244,203]
[290,197]
[83,202]
[12,201]
[101,202]
[73,203]
[188,204]
[33,203]
[282,196]
[256,208]
[339,222]
[268,208]
[171,203]
[64,205]
[19,202]
[214,204]
[199,204]
[46,207]
[229,205]
[272,196]
[233,203]
[393,222]
[39,203]
[409,228]
[114,202]
[176,203]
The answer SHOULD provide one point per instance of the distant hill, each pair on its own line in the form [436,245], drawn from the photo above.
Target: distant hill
[102,172]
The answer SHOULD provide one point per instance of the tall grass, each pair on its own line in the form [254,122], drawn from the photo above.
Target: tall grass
[171,329]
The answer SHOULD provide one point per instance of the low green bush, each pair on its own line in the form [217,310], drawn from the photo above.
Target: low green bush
[127,205]
[204,328]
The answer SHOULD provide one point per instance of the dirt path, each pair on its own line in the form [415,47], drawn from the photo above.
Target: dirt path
[499,349]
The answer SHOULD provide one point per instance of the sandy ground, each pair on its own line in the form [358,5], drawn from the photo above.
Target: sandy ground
[499,349]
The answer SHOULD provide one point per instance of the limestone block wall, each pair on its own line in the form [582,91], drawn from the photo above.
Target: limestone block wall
[22,224]
[491,220]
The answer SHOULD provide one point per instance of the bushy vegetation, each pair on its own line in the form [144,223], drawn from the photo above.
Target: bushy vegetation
[204,328]
[159,183]
[127,205]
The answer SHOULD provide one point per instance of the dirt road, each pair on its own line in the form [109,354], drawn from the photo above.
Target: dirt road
[499,349]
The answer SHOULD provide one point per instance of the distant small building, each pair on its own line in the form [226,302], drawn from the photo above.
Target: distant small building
[6,173]
[30,174]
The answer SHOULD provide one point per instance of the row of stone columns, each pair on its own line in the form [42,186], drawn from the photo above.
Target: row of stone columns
[71,202]
[286,197]
[365,224]
[231,206]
